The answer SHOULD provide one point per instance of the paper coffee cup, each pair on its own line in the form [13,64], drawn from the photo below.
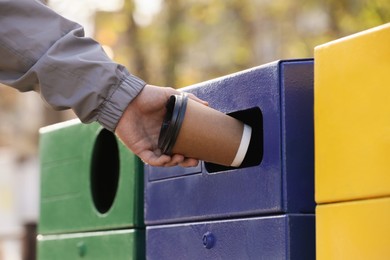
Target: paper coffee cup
[198,131]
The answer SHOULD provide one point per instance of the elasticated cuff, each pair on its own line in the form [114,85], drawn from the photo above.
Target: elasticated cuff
[113,108]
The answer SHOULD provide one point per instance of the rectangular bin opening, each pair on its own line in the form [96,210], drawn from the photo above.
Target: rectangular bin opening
[254,118]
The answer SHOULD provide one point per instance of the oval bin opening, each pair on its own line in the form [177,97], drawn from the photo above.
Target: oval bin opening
[104,170]
[254,118]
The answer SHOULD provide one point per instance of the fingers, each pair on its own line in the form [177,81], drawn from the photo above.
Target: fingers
[189,162]
[178,159]
[172,91]
[195,98]
[153,159]
[175,160]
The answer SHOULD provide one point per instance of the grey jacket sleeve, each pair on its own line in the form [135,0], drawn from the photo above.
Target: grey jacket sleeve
[40,48]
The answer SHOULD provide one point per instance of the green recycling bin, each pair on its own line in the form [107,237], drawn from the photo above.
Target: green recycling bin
[89,180]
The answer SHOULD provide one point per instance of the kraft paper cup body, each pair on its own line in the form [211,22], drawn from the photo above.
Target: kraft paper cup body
[207,134]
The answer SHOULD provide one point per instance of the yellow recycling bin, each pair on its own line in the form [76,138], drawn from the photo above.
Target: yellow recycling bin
[352,146]
[352,117]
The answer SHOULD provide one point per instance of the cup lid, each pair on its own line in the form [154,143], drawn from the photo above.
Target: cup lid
[170,128]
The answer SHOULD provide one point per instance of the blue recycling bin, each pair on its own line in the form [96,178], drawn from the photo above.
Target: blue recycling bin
[276,99]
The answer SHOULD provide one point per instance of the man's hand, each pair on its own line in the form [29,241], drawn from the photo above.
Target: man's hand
[139,127]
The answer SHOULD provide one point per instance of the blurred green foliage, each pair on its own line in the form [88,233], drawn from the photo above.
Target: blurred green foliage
[190,41]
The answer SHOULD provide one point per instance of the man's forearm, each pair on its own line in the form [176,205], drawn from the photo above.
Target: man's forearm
[39,47]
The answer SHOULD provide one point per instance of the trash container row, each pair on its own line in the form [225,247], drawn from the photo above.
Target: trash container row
[98,201]
[92,186]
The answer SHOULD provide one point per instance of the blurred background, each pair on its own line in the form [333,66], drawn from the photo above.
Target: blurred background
[167,43]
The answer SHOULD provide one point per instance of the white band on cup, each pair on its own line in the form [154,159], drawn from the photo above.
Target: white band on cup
[243,148]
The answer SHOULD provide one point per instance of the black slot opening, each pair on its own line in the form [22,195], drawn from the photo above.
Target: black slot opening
[254,118]
[104,171]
